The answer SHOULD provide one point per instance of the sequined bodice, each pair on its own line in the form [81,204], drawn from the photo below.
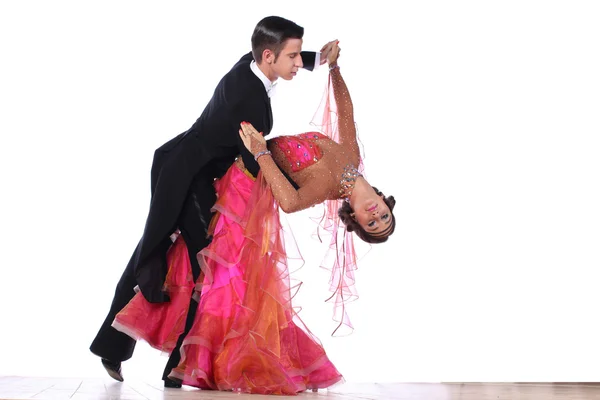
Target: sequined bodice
[300,151]
[296,153]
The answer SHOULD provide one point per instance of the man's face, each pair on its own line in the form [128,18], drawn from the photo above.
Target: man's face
[289,60]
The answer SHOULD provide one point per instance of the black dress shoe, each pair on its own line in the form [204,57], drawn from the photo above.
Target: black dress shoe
[113,369]
[173,383]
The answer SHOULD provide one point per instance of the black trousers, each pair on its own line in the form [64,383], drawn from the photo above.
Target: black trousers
[193,223]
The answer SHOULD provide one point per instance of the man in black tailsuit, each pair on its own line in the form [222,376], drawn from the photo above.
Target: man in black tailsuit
[184,169]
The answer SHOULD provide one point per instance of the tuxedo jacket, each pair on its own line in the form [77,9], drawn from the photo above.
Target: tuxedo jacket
[188,164]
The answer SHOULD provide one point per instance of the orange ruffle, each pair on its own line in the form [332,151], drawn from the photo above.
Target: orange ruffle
[246,336]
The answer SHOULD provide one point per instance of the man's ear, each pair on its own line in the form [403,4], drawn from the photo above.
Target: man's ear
[268,56]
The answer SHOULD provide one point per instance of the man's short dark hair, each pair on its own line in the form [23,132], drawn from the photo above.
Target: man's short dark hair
[271,33]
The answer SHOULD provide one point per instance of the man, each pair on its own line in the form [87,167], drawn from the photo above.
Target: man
[183,171]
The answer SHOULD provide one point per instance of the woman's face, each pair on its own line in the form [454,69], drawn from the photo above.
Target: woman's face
[373,215]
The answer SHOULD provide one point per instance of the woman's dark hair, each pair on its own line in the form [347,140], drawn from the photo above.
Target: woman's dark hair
[353,226]
[271,33]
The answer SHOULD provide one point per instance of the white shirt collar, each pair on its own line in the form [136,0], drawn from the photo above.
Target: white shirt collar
[269,86]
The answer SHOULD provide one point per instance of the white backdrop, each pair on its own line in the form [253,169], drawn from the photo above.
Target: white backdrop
[481,118]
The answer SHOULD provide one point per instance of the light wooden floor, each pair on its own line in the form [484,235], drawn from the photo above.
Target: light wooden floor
[13,387]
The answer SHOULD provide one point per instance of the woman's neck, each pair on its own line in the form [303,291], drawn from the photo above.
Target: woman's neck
[360,193]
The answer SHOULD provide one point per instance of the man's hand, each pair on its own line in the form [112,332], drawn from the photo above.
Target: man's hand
[325,50]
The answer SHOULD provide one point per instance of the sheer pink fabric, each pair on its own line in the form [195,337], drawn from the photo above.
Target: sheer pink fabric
[246,336]
[340,258]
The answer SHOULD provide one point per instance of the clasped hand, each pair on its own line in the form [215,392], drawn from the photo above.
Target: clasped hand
[253,139]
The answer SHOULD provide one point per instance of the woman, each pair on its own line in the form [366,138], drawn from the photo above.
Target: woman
[246,336]
[324,169]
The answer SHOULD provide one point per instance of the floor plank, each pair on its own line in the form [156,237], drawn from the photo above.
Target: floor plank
[27,388]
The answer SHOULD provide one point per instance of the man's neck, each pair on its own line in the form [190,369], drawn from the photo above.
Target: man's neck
[266,70]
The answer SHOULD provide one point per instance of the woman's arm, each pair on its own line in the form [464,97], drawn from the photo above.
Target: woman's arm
[344,104]
[290,200]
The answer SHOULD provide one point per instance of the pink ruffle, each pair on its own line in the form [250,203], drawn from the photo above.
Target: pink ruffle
[246,336]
